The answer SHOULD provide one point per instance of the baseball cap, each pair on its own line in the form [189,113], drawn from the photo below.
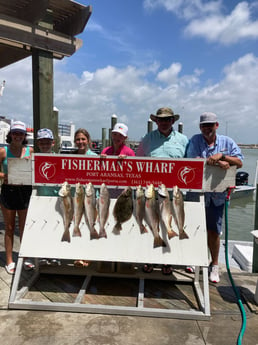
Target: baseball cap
[45,133]
[18,126]
[208,117]
[120,128]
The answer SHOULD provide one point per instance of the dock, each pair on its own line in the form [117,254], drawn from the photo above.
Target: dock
[57,327]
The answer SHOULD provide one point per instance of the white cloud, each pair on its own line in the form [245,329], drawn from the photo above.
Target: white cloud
[133,93]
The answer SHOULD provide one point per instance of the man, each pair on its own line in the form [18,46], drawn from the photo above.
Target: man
[222,151]
[163,142]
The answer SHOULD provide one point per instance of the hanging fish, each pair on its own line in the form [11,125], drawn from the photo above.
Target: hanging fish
[67,209]
[103,209]
[179,212]
[152,215]
[165,209]
[78,202]
[140,208]
[123,209]
[90,210]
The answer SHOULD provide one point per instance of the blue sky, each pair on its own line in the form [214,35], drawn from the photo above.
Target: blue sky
[139,55]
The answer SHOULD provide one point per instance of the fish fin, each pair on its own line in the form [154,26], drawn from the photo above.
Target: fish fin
[158,242]
[66,236]
[117,228]
[183,235]
[102,234]
[143,229]
[94,234]
[77,232]
[171,233]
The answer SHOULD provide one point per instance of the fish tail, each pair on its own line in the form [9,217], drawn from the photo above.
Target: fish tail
[77,231]
[183,235]
[94,234]
[171,234]
[143,229]
[158,242]
[117,228]
[66,236]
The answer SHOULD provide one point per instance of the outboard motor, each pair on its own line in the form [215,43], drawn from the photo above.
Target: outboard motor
[241,178]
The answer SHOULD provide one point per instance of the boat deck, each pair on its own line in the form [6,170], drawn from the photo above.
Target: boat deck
[44,327]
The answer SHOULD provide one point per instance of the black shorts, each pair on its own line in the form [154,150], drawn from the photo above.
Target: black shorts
[15,197]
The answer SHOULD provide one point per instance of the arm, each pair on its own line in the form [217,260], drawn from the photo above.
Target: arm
[3,176]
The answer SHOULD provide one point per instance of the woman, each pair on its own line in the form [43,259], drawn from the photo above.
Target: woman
[118,148]
[14,198]
[82,141]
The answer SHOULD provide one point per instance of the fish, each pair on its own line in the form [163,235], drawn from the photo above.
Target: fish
[165,209]
[123,208]
[179,212]
[90,210]
[78,202]
[67,209]
[152,216]
[103,209]
[140,208]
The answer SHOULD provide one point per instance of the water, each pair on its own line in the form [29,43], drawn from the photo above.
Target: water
[241,210]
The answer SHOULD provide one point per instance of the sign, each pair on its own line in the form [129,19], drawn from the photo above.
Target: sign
[130,171]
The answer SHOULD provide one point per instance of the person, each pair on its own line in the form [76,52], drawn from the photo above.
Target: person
[222,151]
[163,142]
[45,143]
[82,141]
[14,198]
[118,148]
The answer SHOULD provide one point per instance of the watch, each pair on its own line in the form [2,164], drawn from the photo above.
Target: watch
[223,157]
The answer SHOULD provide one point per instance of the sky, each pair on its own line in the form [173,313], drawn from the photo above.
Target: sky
[139,55]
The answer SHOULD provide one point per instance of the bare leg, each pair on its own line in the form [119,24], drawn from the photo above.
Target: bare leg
[9,220]
[214,244]
[22,218]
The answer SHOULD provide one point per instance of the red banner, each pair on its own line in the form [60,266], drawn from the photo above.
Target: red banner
[131,171]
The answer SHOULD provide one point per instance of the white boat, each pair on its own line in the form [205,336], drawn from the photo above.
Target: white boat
[242,191]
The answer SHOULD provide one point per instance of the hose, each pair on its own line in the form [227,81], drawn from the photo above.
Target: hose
[239,301]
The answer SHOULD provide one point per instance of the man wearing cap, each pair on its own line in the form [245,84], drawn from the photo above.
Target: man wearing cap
[164,141]
[118,148]
[222,151]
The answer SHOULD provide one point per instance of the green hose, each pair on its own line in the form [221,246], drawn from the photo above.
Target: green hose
[239,302]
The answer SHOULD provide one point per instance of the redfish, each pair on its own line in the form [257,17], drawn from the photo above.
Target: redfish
[103,209]
[67,209]
[152,215]
[165,209]
[90,210]
[179,212]
[140,208]
[78,202]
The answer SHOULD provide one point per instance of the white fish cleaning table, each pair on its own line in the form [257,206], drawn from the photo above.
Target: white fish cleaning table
[44,229]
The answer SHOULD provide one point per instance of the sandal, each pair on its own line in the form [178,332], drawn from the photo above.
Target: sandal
[28,265]
[81,263]
[10,269]
[147,268]
[167,270]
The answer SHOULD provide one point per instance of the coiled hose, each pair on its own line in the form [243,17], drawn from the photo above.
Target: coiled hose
[239,301]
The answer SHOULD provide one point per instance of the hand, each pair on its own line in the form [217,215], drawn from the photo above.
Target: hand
[103,155]
[121,156]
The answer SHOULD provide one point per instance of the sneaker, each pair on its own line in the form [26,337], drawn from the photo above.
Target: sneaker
[214,274]
[43,262]
[190,269]
[28,265]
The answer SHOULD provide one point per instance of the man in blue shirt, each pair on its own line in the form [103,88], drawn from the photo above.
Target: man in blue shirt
[163,142]
[222,151]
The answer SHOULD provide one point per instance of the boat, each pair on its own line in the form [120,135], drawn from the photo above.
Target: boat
[243,189]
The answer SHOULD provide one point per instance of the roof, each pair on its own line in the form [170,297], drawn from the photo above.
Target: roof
[21,27]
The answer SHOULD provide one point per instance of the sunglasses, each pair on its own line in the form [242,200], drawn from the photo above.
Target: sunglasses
[164,119]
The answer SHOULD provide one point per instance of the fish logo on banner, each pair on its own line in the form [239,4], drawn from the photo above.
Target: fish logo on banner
[47,170]
[186,175]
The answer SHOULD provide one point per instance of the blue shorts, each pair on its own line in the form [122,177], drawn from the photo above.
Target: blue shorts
[214,217]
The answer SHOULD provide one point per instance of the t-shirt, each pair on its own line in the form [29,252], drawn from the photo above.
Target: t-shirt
[124,150]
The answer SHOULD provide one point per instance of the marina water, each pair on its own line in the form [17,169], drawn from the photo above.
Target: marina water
[241,210]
